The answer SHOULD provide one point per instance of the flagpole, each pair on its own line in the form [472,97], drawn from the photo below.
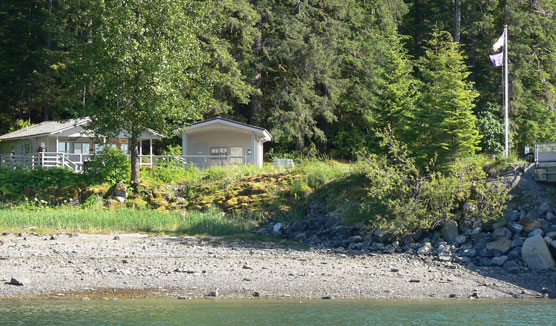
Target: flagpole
[506,95]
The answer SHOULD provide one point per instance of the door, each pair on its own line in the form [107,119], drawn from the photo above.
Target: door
[199,149]
[236,151]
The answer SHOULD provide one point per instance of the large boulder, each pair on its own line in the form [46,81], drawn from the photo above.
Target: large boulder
[450,231]
[502,246]
[535,253]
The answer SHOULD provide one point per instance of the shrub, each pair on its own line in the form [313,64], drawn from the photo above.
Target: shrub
[170,174]
[15,184]
[110,165]
[403,199]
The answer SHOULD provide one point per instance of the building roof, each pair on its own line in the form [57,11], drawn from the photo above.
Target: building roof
[233,123]
[48,128]
[45,128]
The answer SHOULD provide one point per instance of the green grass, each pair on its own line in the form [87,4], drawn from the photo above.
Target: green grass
[72,219]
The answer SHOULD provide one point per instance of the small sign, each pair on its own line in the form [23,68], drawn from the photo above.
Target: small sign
[527,149]
[249,152]
[123,141]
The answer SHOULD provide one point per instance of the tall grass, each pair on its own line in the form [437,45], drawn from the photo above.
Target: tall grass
[72,219]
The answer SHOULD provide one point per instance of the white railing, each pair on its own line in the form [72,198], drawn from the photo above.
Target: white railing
[76,162]
[200,161]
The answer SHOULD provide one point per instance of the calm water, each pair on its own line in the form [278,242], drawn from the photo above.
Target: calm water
[278,312]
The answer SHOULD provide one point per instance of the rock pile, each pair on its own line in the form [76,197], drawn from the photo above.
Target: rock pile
[524,240]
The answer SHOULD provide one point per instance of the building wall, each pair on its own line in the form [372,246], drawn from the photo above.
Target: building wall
[224,138]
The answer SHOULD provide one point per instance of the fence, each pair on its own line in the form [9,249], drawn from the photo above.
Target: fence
[76,162]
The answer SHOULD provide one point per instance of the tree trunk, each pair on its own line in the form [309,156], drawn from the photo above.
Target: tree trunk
[134,141]
[457,32]
[255,100]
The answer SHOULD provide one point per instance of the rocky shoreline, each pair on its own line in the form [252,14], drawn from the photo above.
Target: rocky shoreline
[513,258]
[525,240]
[87,266]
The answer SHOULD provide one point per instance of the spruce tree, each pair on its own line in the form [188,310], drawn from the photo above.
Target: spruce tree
[443,126]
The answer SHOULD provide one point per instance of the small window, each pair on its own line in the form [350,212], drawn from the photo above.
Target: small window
[124,148]
[64,147]
[219,151]
[81,148]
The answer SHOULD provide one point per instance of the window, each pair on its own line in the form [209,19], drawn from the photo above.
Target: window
[64,147]
[81,148]
[219,151]
[124,148]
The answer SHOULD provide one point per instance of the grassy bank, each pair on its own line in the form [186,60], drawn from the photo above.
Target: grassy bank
[386,192]
[72,219]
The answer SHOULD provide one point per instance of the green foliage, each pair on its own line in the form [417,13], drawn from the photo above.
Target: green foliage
[17,184]
[110,165]
[402,199]
[443,126]
[491,127]
[170,174]
[172,150]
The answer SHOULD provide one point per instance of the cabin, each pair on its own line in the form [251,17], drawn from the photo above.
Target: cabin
[220,141]
[212,142]
[60,143]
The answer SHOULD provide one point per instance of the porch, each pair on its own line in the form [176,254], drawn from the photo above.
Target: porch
[76,162]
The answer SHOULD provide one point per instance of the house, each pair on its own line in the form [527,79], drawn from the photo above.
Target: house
[220,141]
[212,142]
[59,143]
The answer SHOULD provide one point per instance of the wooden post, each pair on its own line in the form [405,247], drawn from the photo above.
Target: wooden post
[151,151]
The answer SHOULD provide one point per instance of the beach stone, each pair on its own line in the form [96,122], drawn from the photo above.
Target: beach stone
[536,255]
[472,252]
[501,246]
[545,208]
[425,249]
[116,238]
[535,232]
[549,216]
[461,239]
[17,282]
[501,233]
[515,227]
[213,293]
[450,231]
[476,231]
[333,219]
[529,224]
[276,228]
[513,216]
[499,261]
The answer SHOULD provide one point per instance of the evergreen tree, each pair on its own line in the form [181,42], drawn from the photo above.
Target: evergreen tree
[443,126]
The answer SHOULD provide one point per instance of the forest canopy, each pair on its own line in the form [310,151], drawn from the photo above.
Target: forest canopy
[326,77]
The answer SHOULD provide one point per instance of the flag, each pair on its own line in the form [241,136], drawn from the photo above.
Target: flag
[500,43]
[497,59]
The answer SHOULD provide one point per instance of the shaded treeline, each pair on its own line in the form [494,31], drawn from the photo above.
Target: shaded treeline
[324,76]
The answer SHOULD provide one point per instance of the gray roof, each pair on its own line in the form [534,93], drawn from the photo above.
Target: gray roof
[228,120]
[45,128]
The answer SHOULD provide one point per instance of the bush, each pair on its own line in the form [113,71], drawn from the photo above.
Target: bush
[170,174]
[403,199]
[110,165]
[16,184]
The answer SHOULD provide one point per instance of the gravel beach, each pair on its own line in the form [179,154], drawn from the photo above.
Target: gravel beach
[90,266]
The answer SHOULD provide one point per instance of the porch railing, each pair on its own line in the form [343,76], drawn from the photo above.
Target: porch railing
[76,162]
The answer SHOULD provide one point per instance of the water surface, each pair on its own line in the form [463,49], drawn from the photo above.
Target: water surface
[278,312]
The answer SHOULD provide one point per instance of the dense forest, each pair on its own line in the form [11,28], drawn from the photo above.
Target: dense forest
[326,77]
